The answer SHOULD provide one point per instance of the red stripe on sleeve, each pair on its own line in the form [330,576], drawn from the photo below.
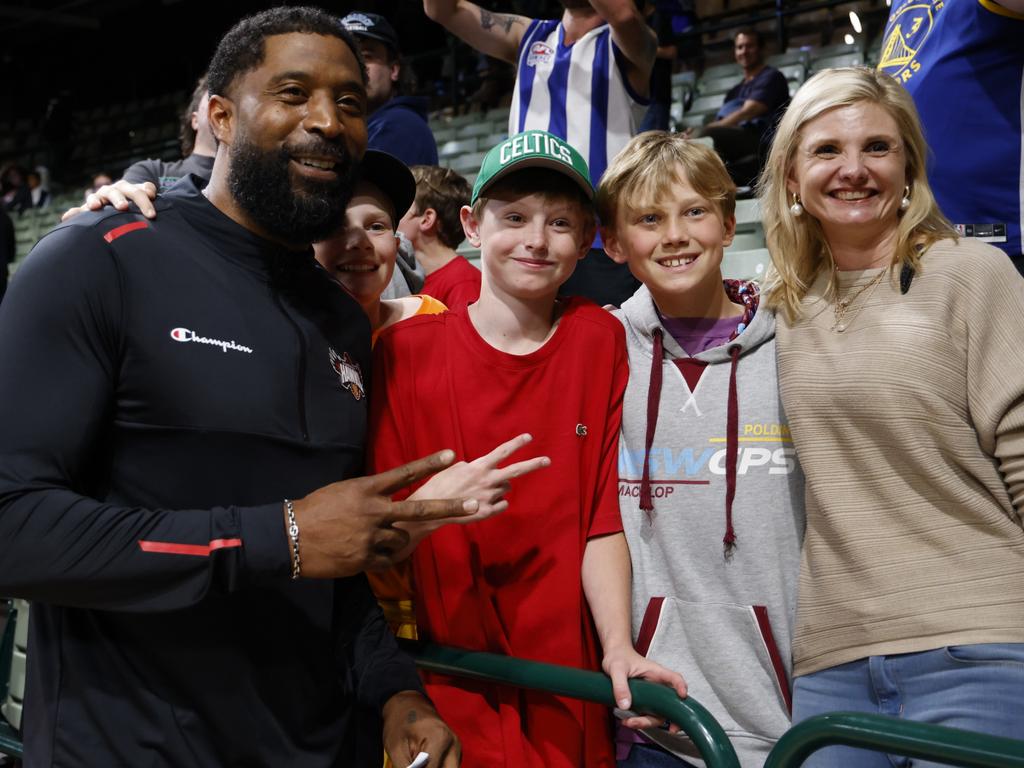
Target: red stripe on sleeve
[761,613]
[124,229]
[197,550]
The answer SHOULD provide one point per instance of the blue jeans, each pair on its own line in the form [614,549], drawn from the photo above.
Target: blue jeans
[974,687]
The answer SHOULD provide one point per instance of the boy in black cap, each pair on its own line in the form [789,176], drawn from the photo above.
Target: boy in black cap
[361,255]
[397,124]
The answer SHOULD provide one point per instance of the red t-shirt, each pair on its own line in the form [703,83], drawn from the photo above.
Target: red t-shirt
[456,284]
[511,584]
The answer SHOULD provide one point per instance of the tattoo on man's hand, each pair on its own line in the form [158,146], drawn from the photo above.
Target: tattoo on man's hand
[501,20]
[411,717]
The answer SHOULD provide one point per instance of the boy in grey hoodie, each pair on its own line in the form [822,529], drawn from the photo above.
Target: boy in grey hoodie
[710,492]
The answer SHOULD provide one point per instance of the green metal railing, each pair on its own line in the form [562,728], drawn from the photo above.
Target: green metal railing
[875,732]
[893,735]
[705,732]
[10,740]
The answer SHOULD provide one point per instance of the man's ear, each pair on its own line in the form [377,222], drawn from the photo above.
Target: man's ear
[222,119]
[470,226]
[396,71]
[612,246]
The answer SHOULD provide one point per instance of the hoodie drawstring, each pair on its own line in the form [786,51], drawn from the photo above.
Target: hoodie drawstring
[653,401]
[731,437]
[731,450]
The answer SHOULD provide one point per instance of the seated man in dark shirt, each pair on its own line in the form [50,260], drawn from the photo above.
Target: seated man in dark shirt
[752,108]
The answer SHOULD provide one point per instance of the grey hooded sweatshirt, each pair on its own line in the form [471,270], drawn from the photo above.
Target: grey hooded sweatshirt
[716,555]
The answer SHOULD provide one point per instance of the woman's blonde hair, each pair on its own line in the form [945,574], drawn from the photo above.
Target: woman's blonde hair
[797,244]
[650,163]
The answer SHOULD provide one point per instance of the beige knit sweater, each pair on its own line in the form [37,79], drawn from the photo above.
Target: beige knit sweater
[910,430]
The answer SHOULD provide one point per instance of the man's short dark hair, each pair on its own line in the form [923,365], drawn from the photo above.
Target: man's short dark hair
[242,49]
[750,32]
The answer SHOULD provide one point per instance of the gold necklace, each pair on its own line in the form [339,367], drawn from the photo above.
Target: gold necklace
[843,305]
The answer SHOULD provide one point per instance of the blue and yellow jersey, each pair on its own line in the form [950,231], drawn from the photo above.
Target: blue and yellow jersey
[963,62]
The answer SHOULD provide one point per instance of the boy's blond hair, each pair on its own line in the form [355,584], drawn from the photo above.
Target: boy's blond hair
[650,163]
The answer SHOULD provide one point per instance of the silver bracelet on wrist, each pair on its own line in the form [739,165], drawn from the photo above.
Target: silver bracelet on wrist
[293,535]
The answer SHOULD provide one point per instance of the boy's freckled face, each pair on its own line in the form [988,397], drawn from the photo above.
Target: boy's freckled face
[530,245]
[674,245]
[361,256]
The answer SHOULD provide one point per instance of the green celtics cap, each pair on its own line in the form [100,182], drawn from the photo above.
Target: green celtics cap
[532,149]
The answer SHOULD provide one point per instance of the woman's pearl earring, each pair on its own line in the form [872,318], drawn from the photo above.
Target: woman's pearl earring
[905,202]
[796,209]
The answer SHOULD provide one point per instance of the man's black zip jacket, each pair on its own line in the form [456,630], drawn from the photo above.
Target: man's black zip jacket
[164,385]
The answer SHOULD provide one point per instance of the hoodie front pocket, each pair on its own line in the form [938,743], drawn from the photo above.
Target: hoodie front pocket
[728,656]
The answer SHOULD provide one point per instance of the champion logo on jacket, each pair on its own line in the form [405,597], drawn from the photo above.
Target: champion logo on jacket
[186,335]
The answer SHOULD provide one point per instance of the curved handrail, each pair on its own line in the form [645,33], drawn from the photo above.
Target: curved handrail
[702,728]
[897,736]
[10,740]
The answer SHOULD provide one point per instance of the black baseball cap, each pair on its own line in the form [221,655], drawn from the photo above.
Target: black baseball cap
[392,177]
[372,26]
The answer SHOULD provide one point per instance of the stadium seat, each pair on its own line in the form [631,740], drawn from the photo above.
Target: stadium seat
[718,71]
[748,215]
[779,60]
[442,133]
[457,147]
[794,72]
[466,163]
[498,115]
[746,265]
[849,59]
[473,130]
[708,87]
[684,78]
[746,241]
[706,105]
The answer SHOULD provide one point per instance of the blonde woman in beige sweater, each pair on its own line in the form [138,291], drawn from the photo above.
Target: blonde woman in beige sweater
[901,360]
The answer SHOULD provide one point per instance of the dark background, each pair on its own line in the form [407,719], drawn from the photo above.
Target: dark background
[88,53]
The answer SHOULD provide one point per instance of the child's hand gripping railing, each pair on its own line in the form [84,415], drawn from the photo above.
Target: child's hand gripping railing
[705,732]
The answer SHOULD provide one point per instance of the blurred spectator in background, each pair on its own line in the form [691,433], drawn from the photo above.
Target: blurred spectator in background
[583,77]
[660,20]
[198,146]
[6,248]
[38,183]
[397,123]
[433,224]
[963,62]
[742,129]
[99,180]
[16,194]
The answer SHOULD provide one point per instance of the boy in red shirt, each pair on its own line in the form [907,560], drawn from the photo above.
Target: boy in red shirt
[433,225]
[520,360]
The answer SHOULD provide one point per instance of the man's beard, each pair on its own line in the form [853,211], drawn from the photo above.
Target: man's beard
[297,212]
